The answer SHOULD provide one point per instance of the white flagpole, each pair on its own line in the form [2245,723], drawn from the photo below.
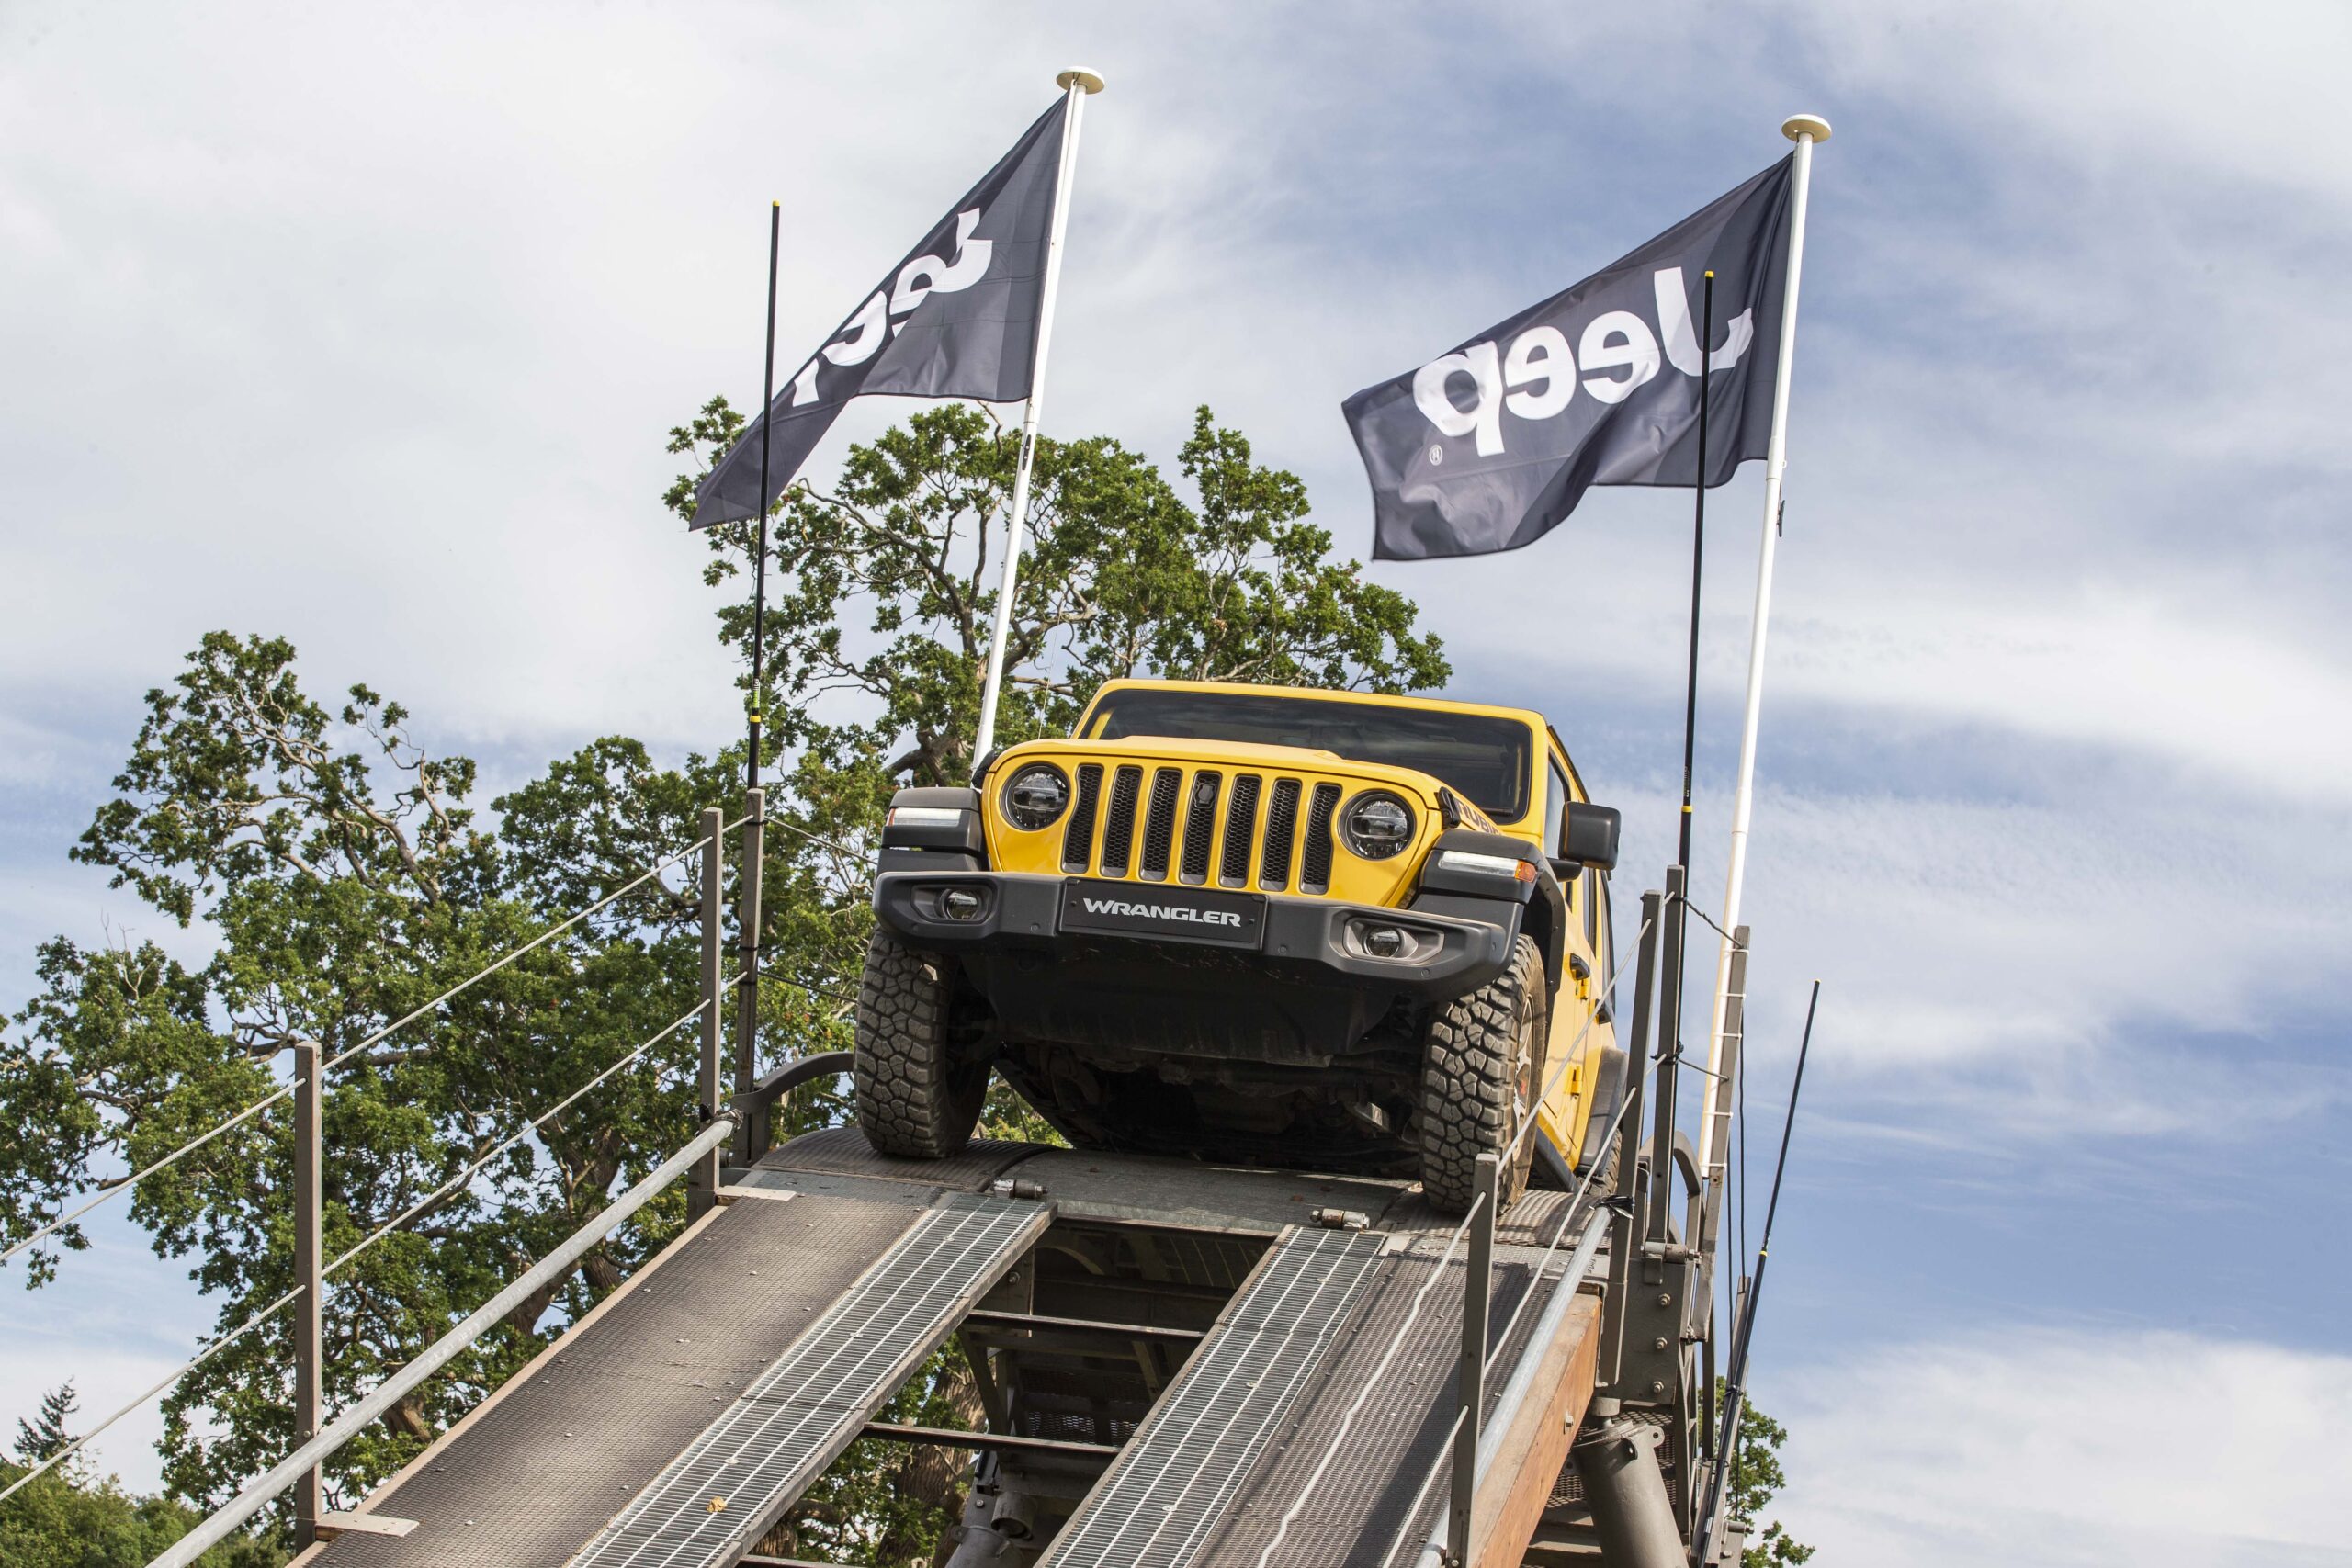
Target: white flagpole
[1804,130]
[1076,85]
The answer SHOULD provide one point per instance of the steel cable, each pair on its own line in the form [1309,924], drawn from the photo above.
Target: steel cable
[378,1038]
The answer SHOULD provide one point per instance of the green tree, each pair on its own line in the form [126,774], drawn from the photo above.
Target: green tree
[343,873]
[882,596]
[1755,1479]
[60,1522]
[46,1433]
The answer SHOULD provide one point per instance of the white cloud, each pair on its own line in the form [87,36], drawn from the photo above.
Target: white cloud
[2029,1447]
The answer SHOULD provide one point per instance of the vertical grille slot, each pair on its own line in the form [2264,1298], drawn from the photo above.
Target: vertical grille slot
[1159,827]
[1119,827]
[1282,833]
[1078,839]
[1240,826]
[1200,825]
[1315,865]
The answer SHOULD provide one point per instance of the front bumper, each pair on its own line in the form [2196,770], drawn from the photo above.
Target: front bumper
[1319,941]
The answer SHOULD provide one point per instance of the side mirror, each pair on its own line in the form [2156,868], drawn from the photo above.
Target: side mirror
[1588,834]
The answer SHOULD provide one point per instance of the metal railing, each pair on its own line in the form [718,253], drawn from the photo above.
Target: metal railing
[1478,1224]
[1635,1219]
[125,1184]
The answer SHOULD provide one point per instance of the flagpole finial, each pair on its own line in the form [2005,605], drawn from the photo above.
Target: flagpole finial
[1799,126]
[1081,76]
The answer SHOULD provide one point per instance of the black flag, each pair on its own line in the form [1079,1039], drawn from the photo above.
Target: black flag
[1485,448]
[957,319]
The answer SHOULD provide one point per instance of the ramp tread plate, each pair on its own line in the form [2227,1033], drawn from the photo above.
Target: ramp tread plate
[532,1474]
[1357,1511]
[780,1432]
[844,1151]
[1174,1482]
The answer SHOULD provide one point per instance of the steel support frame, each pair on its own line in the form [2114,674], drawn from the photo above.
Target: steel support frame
[1651,1327]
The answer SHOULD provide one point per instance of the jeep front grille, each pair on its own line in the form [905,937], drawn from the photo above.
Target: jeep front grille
[1315,865]
[1119,832]
[1159,828]
[1166,822]
[1078,839]
[1282,836]
[1241,820]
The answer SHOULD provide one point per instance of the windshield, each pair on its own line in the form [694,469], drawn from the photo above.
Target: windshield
[1486,759]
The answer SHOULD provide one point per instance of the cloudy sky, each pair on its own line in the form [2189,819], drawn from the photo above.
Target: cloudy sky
[367,333]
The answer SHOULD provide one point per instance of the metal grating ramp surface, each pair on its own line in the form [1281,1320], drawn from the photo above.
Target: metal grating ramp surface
[1359,1511]
[1158,1502]
[541,1466]
[719,1496]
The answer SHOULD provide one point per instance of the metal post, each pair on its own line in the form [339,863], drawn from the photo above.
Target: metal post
[1631,1513]
[309,1490]
[1704,1222]
[1477,1285]
[1076,85]
[1804,130]
[1625,1227]
[1669,1049]
[754,1136]
[702,1182]
[1734,1031]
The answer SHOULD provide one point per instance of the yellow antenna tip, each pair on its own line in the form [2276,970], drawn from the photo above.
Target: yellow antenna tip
[1711,272]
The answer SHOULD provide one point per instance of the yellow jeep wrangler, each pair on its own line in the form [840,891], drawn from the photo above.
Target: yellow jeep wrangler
[1257,925]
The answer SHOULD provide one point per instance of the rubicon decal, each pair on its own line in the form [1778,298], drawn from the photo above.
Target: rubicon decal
[1161,912]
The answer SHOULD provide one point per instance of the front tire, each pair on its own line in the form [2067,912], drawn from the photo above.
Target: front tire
[914,1100]
[1481,1064]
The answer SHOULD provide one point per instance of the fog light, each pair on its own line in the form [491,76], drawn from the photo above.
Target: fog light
[960,903]
[1384,942]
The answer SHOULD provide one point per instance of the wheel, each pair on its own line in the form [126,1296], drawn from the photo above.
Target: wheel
[913,1098]
[1480,1065]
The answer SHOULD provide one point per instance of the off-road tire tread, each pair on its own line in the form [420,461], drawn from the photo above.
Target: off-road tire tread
[912,1100]
[1469,1064]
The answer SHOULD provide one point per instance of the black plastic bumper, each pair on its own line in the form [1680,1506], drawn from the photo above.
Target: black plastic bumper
[1450,956]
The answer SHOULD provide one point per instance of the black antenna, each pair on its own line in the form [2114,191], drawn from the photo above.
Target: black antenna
[1735,1384]
[1698,556]
[760,552]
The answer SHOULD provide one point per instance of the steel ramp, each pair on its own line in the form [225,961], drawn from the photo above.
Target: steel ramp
[538,1467]
[1175,1481]
[714,1501]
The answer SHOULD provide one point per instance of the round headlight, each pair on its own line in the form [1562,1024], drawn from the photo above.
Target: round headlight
[1378,825]
[1035,797]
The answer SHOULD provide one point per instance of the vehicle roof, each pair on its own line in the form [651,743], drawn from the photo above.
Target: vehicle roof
[1324,693]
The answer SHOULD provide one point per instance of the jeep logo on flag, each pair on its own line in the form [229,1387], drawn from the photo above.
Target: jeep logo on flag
[1229,920]
[1486,447]
[956,318]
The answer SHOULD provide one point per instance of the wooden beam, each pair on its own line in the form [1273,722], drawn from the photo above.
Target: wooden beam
[1512,1495]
